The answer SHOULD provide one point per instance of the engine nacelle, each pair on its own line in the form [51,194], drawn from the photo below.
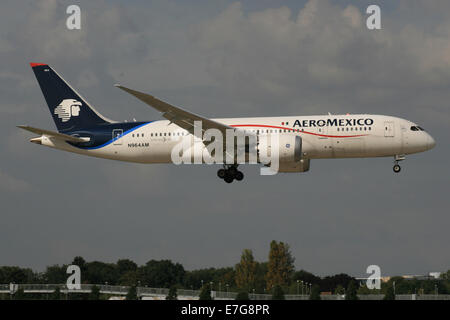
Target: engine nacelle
[300,166]
[289,152]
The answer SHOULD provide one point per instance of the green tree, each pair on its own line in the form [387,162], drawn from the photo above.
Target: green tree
[365,290]
[98,272]
[220,277]
[129,278]
[281,265]
[125,265]
[56,295]
[205,293]
[242,295]
[389,294]
[260,277]
[15,275]
[315,293]
[445,275]
[132,293]
[278,293]
[55,274]
[162,274]
[351,292]
[331,282]
[19,295]
[127,272]
[79,261]
[246,271]
[339,290]
[95,293]
[172,293]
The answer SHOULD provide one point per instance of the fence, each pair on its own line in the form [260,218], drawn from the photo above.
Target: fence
[218,295]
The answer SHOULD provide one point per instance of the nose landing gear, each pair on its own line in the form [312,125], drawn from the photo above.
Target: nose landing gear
[230,173]
[397,167]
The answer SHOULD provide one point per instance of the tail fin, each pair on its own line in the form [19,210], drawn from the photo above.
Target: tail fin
[68,109]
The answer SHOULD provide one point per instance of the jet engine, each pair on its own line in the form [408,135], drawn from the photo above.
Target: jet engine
[289,148]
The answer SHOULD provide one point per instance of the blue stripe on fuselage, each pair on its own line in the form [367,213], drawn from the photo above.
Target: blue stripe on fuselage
[102,136]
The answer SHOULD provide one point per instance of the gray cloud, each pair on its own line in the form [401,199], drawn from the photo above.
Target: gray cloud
[227,59]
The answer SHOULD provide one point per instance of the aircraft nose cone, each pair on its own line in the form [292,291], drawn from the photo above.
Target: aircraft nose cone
[431,142]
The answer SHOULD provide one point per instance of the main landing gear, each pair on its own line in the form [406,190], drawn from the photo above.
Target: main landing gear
[397,167]
[229,173]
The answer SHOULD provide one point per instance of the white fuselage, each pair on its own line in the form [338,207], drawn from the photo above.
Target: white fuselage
[326,136]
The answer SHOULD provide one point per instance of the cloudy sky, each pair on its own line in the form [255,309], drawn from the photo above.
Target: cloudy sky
[228,59]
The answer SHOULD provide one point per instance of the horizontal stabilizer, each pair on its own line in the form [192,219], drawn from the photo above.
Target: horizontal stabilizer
[54,134]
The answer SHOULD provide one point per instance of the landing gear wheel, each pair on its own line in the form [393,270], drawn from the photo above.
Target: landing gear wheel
[221,173]
[232,171]
[228,178]
[396,168]
[239,176]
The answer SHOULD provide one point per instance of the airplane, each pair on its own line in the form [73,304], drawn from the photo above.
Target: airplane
[83,130]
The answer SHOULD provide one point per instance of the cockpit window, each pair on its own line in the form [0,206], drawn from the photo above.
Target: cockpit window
[417,128]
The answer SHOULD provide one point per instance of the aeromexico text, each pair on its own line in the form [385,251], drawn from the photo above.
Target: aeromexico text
[334,122]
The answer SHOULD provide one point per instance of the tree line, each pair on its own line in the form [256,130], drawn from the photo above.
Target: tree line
[276,275]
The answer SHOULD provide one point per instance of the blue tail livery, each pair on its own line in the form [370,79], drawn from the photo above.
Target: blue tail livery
[69,110]
[78,124]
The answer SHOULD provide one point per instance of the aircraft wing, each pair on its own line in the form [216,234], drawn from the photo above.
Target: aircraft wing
[180,117]
[53,134]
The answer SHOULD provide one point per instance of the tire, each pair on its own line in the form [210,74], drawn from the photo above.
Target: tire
[221,173]
[396,168]
[232,171]
[228,178]
[239,176]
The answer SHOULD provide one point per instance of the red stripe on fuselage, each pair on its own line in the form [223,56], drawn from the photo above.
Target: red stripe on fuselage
[295,130]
